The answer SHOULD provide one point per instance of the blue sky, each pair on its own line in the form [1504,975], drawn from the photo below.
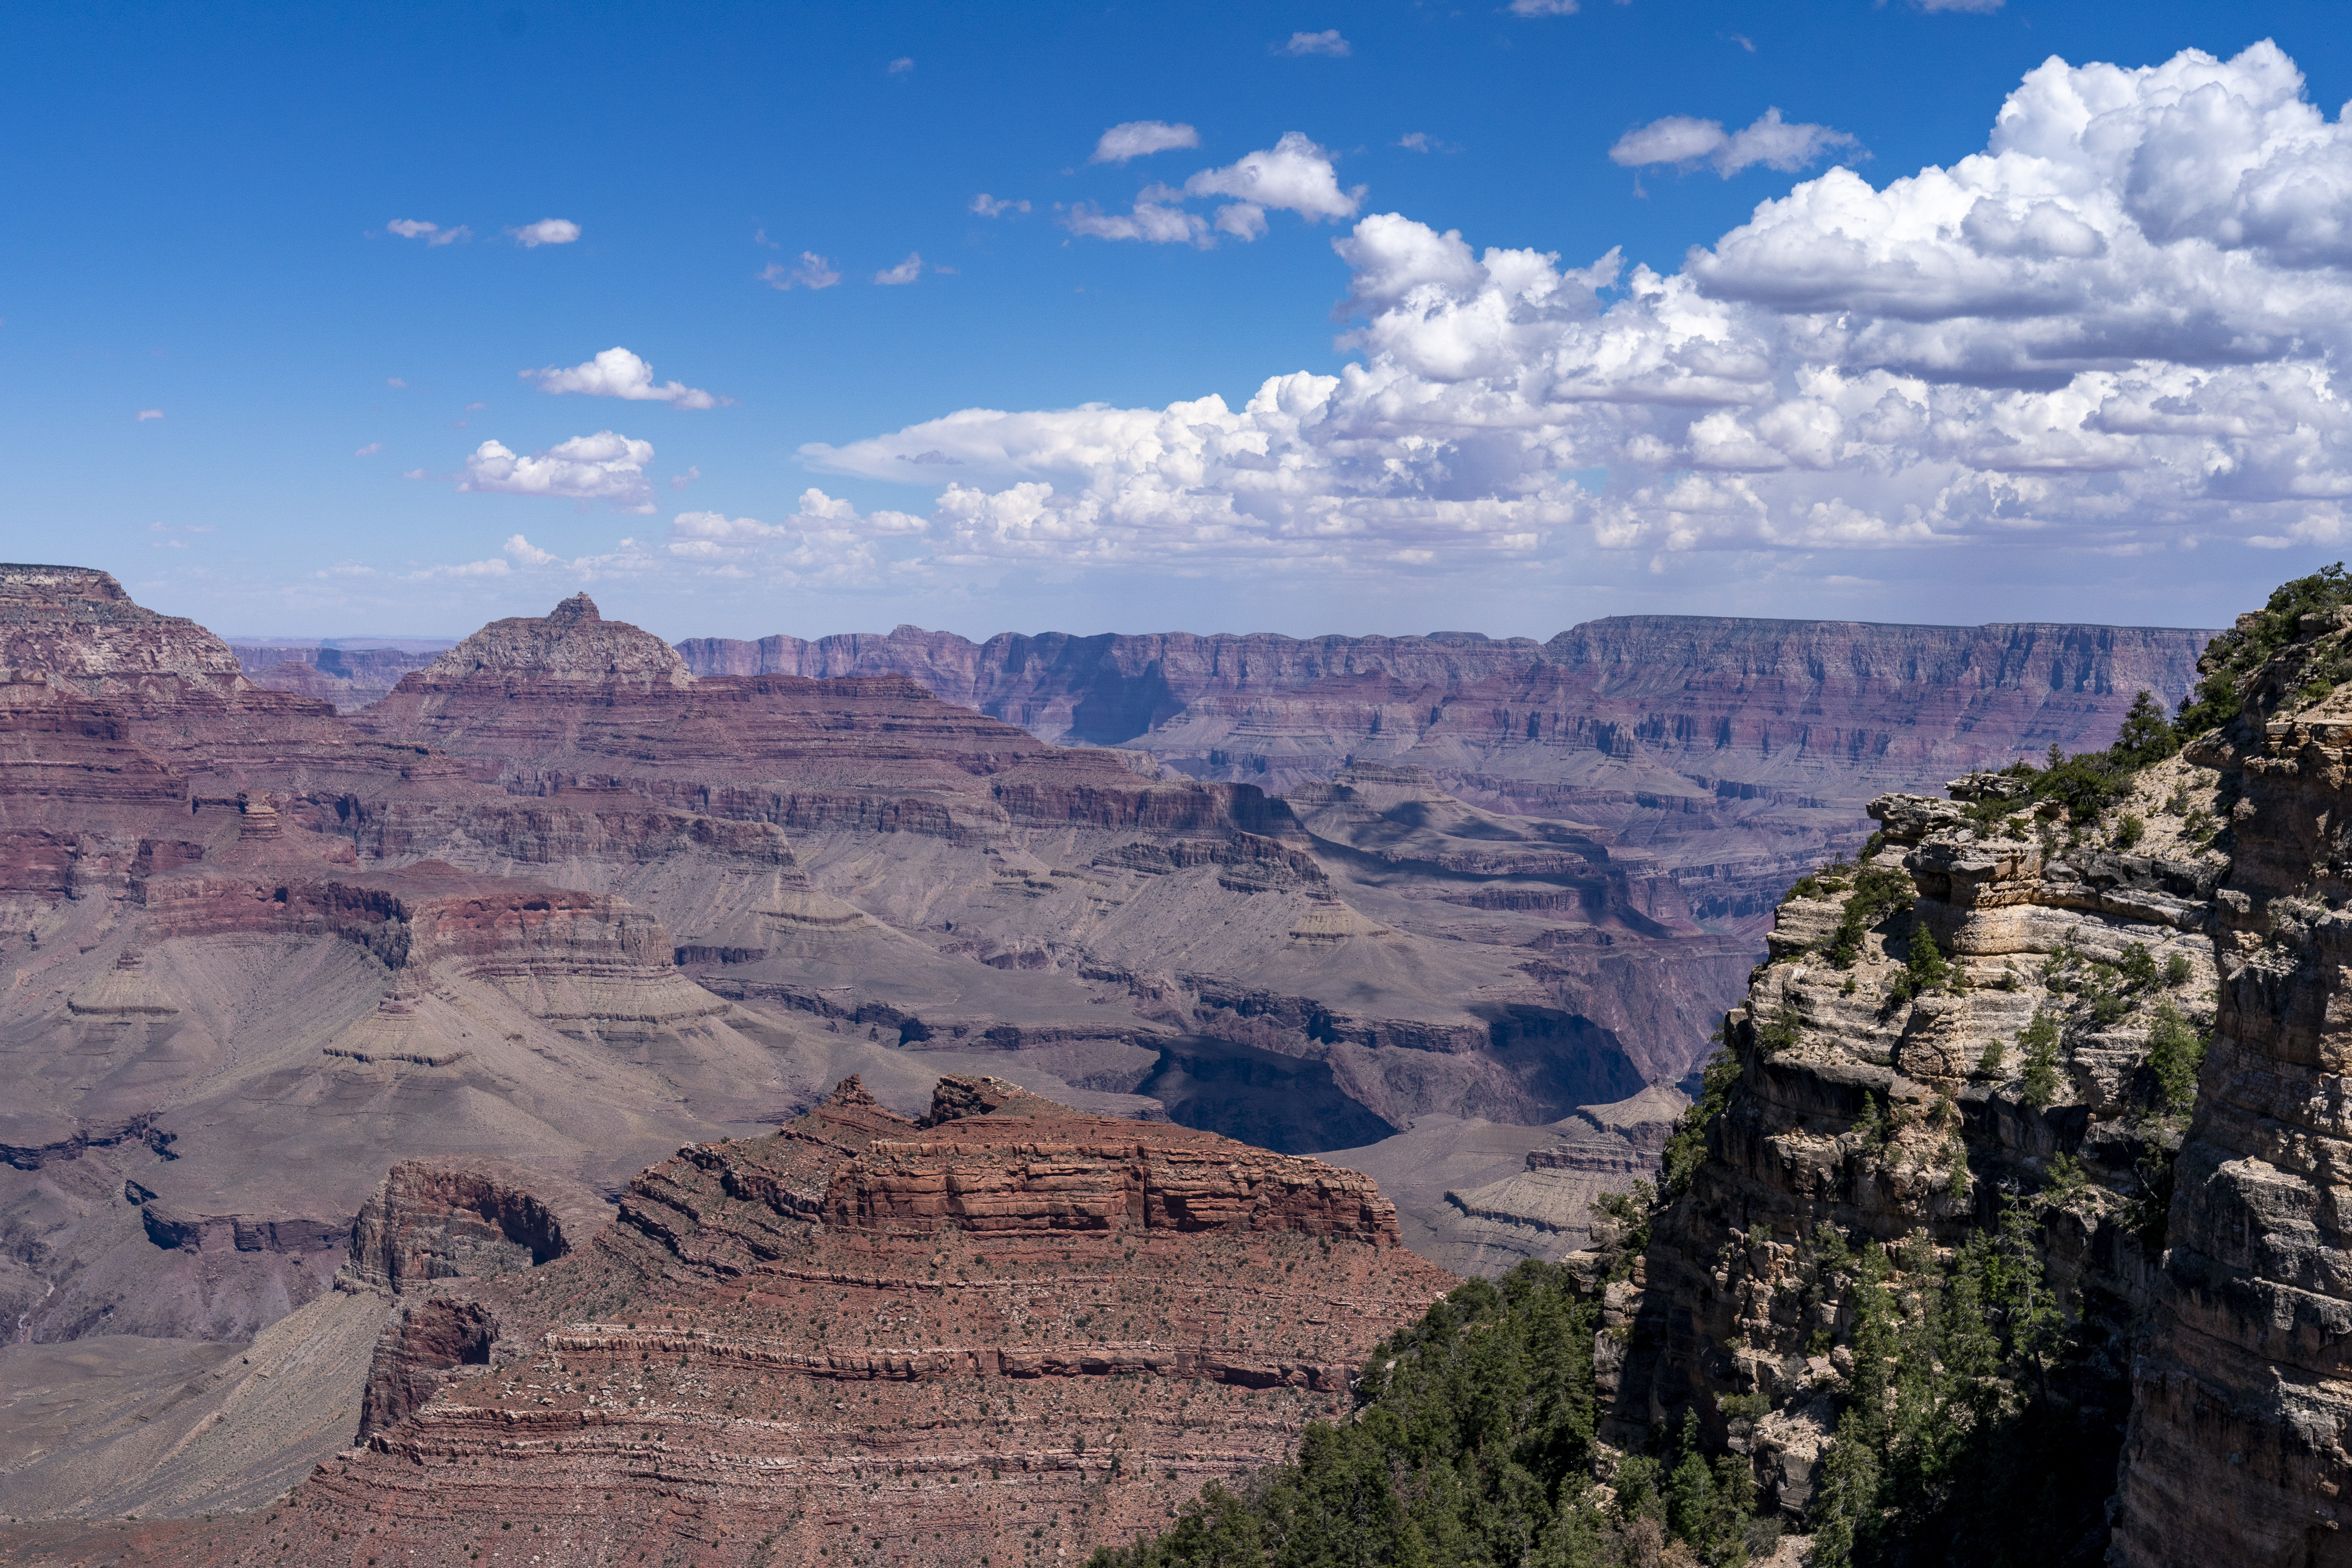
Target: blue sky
[195,224]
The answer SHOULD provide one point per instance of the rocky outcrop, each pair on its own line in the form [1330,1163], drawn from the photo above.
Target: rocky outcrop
[571,643]
[438,1221]
[1880,1099]
[2243,1406]
[450,1219]
[953,1374]
[79,628]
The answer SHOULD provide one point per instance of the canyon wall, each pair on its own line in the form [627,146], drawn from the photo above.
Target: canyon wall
[2243,1406]
[1741,751]
[1870,1108]
[2022,1103]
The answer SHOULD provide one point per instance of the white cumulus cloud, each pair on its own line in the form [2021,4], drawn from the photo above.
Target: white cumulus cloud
[546,231]
[2118,328]
[1294,174]
[1548,7]
[629,558]
[617,373]
[987,205]
[1770,142]
[826,542]
[603,467]
[1154,219]
[1140,138]
[906,271]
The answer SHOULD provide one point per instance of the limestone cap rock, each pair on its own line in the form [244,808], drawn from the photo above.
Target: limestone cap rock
[75,625]
[571,642]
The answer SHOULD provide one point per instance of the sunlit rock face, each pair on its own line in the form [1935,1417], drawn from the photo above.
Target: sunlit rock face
[1005,1328]
[1906,1119]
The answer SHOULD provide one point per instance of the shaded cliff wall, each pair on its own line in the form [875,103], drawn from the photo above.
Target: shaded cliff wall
[2242,1403]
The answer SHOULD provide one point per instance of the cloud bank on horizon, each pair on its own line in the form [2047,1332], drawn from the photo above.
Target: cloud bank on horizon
[2115,328]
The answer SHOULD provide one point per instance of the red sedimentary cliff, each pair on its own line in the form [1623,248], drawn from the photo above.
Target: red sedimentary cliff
[1006,1332]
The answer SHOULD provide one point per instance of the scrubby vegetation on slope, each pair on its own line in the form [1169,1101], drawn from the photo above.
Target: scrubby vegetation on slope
[1471,1446]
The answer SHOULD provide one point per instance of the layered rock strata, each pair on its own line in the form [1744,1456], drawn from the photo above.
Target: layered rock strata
[1005,1332]
[1741,751]
[1124,914]
[1903,1114]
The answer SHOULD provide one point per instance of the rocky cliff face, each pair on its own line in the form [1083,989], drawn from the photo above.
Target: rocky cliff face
[1007,1331]
[78,627]
[2241,1402]
[1923,1098]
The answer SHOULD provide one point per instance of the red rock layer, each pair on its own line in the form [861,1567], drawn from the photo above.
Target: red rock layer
[1014,1334]
[878,754]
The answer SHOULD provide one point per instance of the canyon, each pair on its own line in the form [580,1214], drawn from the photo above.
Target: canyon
[564,926]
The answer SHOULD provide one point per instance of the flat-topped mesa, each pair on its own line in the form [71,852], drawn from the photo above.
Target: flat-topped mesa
[76,626]
[572,642]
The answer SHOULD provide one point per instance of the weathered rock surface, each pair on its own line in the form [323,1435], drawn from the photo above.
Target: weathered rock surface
[571,643]
[2242,1398]
[1903,1119]
[1008,1331]
[78,626]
